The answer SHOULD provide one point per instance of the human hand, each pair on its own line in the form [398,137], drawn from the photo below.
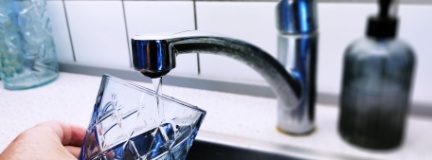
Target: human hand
[49,140]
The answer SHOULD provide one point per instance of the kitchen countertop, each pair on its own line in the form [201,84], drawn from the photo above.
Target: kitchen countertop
[71,97]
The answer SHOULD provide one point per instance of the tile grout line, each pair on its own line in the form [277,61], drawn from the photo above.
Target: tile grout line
[196,28]
[69,30]
[127,34]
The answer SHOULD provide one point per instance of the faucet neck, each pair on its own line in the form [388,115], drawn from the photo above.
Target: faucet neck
[156,57]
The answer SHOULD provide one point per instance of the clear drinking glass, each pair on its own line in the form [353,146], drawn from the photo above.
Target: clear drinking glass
[27,50]
[133,122]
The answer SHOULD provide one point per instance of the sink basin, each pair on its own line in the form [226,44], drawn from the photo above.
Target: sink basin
[202,150]
[216,146]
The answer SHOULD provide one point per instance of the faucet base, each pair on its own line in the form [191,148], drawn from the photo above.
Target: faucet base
[296,133]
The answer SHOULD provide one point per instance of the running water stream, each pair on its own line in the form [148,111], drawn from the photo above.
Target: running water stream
[157,86]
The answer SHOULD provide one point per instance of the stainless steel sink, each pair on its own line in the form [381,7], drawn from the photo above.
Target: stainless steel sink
[202,150]
[215,146]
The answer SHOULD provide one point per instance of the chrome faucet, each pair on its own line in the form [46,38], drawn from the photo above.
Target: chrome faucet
[154,56]
[297,23]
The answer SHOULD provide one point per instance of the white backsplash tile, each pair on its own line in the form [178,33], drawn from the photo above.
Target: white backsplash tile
[415,28]
[339,25]
[253,22]
[98,33]
[60,31]
[100,39]
[161,16]
[228,69]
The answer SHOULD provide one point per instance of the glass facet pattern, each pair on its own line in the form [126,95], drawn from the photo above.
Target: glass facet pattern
[128,123]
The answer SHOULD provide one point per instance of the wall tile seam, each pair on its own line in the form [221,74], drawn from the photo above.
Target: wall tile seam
[127,34]
[124,8]
[196,28]
[69,30]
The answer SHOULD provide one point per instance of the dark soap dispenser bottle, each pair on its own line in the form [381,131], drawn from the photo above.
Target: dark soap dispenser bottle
[376,85]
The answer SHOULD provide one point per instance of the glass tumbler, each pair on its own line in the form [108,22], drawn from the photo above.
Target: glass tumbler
[27,51]
[133,122]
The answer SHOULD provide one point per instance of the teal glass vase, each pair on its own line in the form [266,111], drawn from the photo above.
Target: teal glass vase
[27,50]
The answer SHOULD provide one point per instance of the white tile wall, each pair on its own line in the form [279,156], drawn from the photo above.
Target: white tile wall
[253,22]
[60,31]
[416,29]
[161,16]
[340,24]
[98,33]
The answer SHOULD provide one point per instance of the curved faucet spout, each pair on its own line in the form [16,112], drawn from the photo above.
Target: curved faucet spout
[154,56]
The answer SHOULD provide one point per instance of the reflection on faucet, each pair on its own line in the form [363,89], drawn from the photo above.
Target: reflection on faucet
[154,56]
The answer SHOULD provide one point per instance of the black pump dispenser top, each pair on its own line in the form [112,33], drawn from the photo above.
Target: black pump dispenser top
[383,25]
